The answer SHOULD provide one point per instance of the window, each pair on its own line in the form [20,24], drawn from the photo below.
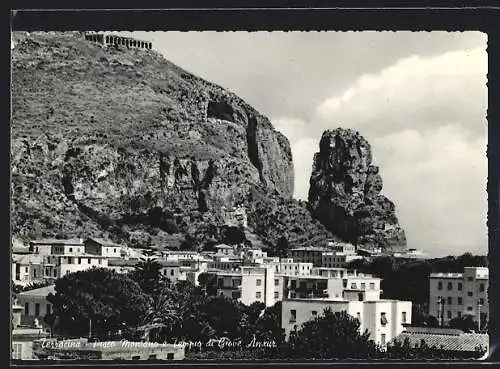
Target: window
[314,313]
[152,357]
[26,308]
[293,316]
[99,261]
[276,282]
[403,317]
[361,296]
[34,273]
[469,293]
[450,301]
[79,260]
[363,286]
[70,260]
[450,286]
[48,308]
[481,301]
[353,286]
[17,349]
[114,251]
[383,319]
[89,261]
[37,309]
[449,314]
[236,294]
[258,295]
[26,269]
[459,301]
[440,285]
[136,357]
[469,308]
[382,339]
[276,295]
[171,272]
[259,282]
[372,286]
[481,287]
[459,314]
[70,249]
[470,279]
[294,284]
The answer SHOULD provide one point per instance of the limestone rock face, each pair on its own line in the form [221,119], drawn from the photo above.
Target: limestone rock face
[345,196]
[121,143]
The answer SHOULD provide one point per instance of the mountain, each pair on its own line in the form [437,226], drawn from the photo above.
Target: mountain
[121,143]
[345,196]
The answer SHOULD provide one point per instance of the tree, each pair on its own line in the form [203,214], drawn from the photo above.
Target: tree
[208,283]
[333,335]
[98,298]
[282,247]
[466,323]
[147,274]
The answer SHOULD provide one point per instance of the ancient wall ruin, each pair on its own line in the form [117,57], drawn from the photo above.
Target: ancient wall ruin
[108,40]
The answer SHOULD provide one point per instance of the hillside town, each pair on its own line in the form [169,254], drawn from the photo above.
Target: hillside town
[311,280]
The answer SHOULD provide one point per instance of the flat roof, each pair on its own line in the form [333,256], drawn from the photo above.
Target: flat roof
[42,291]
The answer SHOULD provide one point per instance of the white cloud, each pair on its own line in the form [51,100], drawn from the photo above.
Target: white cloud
[426,120]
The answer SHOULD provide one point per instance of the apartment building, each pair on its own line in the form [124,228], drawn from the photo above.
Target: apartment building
[384,319]
[454,295]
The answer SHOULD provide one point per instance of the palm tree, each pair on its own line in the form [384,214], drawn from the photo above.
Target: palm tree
[161,318]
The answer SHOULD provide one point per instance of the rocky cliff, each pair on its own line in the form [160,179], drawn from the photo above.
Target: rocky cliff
[344,193]
[121,143]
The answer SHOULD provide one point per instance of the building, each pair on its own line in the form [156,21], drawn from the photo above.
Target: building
[312,255]
[384,319]
[27,268]
[23,336]
[61,264]
[52,245]
[122,265]
[454,295]
[452,341]
[250,284]
[82,349]
[337,259]
[35,305]
[102,247]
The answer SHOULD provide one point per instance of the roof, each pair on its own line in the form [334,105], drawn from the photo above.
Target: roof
[432,330]
[43,291]
[55,241]
[465,342]
[446,275]
[103,241]
[122,262]
[27,258]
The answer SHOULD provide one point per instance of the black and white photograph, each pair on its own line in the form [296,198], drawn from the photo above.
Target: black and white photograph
[203,195]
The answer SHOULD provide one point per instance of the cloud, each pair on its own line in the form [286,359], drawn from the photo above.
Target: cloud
[437,178]
[415,91]
[426,120]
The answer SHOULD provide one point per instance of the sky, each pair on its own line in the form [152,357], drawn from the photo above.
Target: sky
[419,98]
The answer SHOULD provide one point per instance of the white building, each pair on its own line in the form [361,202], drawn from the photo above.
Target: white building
[384,319]
[453,295]
[102,247]
[35,304]
[52,245]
